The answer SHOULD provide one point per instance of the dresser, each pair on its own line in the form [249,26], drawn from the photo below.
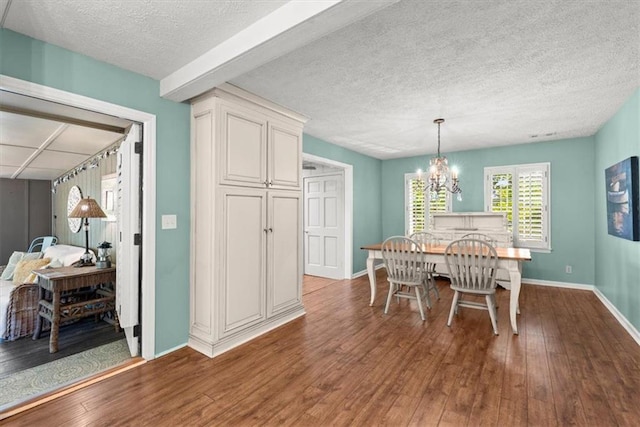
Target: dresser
[454,225]
[246,224]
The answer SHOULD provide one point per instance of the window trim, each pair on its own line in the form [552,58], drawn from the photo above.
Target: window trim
[407,209]
[515,171]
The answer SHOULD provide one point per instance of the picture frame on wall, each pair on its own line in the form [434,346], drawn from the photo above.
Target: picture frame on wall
[109,199]
[623,207]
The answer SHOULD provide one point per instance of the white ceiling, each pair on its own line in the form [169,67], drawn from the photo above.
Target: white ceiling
[36,144]
[372,76]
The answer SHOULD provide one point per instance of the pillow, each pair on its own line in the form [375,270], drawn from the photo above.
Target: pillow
[16,257]
[65,254]
[56,263]
[24,267]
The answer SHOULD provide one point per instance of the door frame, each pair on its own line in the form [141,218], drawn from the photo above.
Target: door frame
[148,201]
[348,207]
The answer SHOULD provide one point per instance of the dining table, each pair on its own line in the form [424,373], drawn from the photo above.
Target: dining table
[509,259]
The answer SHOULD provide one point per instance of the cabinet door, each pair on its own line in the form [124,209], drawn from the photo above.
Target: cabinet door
[243,147]
[242,252]
[284,251]
[285,155]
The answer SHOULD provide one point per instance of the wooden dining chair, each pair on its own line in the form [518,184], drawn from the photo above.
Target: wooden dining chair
[405,270]
[425,238]
[472,267]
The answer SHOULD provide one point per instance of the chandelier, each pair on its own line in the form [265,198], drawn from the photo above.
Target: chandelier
[440,177]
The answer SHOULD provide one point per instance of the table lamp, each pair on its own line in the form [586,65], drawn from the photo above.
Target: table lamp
[86,208]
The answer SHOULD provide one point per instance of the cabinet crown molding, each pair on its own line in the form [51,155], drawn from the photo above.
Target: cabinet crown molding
[234,93]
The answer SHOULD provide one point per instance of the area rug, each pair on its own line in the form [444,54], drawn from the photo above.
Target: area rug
[42,379]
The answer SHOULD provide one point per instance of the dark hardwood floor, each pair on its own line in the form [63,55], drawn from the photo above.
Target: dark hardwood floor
[77,337]
[346,363]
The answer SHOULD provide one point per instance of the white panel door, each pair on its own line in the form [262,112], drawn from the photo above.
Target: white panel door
[243,269]
[284,243]
[128,254]
[324,226]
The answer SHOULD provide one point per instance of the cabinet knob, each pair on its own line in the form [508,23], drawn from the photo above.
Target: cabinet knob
[266,183]
[270,230]
[265,230]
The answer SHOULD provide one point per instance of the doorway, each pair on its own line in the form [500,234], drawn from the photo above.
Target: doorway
[328,219]
[148,162]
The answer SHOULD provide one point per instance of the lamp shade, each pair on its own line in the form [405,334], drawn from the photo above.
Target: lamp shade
[87,208]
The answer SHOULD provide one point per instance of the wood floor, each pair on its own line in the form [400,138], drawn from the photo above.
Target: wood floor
[346,363]
[75,338]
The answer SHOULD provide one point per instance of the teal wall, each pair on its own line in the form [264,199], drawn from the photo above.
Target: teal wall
[28,59]
[367,216]
[576,186]
[572,195]
[617,261]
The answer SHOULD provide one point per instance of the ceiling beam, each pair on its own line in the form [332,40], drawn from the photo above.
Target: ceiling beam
[63,119]
[40,149]
[286,29]
[4,11]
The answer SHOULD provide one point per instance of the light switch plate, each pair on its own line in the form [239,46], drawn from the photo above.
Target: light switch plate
[169,222]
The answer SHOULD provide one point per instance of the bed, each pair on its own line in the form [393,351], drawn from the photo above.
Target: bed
[19,302]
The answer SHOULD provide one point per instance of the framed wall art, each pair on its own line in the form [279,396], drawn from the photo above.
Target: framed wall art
[623,206]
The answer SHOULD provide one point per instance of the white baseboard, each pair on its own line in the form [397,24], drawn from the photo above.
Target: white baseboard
[558,284]
[206,346]
[619,316]
[178,347]
[364,272]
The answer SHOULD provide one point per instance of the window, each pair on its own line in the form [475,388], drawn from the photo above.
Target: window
[522,191]
[419,205]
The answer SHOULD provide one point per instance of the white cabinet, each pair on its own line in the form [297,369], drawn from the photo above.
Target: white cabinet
[246,228]
[242,272]
[284,251]
[258,150]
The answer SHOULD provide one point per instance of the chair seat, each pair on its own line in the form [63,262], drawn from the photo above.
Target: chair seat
[473,291]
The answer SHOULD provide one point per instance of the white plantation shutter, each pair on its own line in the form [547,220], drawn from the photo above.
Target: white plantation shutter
[128,254]
[441,204]
[419,207]
[531,208]
[501,195]
[522,191]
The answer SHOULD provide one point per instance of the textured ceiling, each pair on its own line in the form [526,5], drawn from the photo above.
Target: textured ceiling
[33,147]
[498,71]
[150,37]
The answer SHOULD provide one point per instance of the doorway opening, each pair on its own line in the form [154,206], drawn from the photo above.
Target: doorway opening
[144,211]
[328,217]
